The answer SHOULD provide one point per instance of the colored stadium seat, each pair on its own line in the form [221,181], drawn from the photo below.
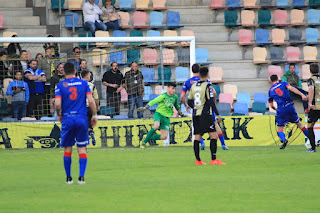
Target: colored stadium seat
[306,71]
[125,5]
[166,72]
[117,57]
[260,98]
[264,17]
[150,56]
[215,73]
[217,89]
[168,56]
[120,117]
[104,34]
[135,33]
[147,93]
[148,74]
[107,110]
[295,36]
[71,20]
[1,22]
[202,55]
[266,3]
[314,3]
[226,98]
[262,37]
[173,19]
[298,3]
[310,53]
[283,4]
[245,37]
[278,36]
[125,19]
[293,54]
[224,109]
[186,33]
[55,4]
[98,55]
[82,34]
[133,55]
[248,18]
[243,98]
[124,96]
[230,18]
[167,33]
[140,19]
[250,4]
[233,4]
[159,90]
[259,107]
[313,17]
[259,55]
[274,70]
[153,33]
[119,33]
[312,35]
[280,17]
[142,4]
[276,54]
[182,74]
[297,17]
[156,19]
[231,89]
[217,4]
[183,55]
[159,4]
[241,108]
[286,68]
[75,4]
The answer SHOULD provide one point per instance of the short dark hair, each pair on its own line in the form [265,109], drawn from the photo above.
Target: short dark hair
[83,60]
[134,62]
[113,63]
[23,51]
[274,78]
[59,65]
[69,68]
[292,65]
[32,61]
[3,53]
[74,49]
[84,73]
[172,84]
[15,72]
[204,72]
[195,68]
[314,68]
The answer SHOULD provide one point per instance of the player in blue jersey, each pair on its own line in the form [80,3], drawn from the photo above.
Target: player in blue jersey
[285,110]
[70,103]
[186,87]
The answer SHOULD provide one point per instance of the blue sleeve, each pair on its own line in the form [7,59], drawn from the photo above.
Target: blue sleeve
[41,73]
[286,84]
[27,92]
[184,88]
[270,97]
[9,89]
[88,90]
[57,91]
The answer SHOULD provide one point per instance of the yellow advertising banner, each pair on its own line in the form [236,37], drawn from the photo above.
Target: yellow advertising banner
[238,131]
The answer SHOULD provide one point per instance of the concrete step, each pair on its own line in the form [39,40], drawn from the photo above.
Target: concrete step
[171,3]
[12,3]
[9,12]
[34,31]
[22,20]
[251,86]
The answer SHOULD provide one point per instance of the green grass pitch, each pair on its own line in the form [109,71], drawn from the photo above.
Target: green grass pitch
[162,179]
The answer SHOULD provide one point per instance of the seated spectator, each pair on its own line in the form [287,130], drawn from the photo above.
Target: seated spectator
[14,49]
[5,67]
[19,91]
[54,48]
[109,16]
[76,60]
[39,57]
[293,79]
[91,13]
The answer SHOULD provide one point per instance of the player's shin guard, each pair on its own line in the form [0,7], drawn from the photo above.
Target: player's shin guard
[282,136]
[196,149]
[202,142]
[311,138]
[221,138]
[149,135]
[67,163]
[82,164]
[213,148]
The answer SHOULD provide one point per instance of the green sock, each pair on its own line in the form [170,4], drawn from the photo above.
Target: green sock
[155,137]
[149,135]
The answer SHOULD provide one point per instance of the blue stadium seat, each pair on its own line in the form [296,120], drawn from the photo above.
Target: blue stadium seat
[243,98]
[156,19]
[153,33]
[313,17]
[298,3]
[48,119]
[119,33]
[173,19]
[117,57]
[266,3]
[9,119]
[167,74]
[295,36]
[68,20]
[262,37]
[125,5]
[241,108]
[260,98]
[182,74]
[202,55]
[147,93]
[151,97]
[283,4]
[233,4]
[224,109]
[55,4]
[286,68]
[148,74]
[120,117]
[107,110]
[259,107]
[312,35]
[183,55]
[133,55]
[217,89]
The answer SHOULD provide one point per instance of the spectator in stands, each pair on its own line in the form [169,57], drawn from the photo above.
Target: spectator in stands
[135,89]
[83,64]
[293,79]
[53,46]
[113,80]
[76,60]
[19,91]
[58,76]
[47,64]
[35,79]
[5,67]
[14,49]
[91,13]
[22,64]
[109,16]
[39,57]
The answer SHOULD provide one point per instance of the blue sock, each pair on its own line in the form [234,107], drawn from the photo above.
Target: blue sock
[305,131]
[221,138]
[202,143]
[67,163]
[82,164]
[282,136]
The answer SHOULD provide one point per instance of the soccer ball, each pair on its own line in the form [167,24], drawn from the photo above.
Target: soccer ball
[307,144]
[318,143]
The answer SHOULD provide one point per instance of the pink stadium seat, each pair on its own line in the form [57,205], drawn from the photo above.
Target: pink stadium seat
[297,17]
[245,37]
[306,72]
[217,4]
[1,22]
[226,98]
[186,33]
[293,54]
[278,36]
[150,56]
[280,17]
[274,70]
[215,73]
[140,19]
[231,89]
[124,96]
[168,56]
[125,19]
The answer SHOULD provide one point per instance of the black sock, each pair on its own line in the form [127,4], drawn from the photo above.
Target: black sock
[213,148]
[311,137]
[196,149]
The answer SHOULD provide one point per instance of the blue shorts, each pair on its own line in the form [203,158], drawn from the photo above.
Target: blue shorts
[287,114]
[74,129]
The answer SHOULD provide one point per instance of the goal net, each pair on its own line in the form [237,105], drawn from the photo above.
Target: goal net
[127,73]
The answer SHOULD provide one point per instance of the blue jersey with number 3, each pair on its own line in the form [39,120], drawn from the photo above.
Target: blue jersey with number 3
[73,93]
[280,94]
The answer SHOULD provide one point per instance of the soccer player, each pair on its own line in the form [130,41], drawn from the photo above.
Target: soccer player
[314,103]
[286,111]
[70,104]
[87,76]
[186,87]
[201,100]
[163,114]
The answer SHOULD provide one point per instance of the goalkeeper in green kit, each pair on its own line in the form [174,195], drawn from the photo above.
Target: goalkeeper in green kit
[163,114]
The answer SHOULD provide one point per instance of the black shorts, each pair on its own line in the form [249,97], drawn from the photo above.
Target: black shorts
[313,116]
[89,114]
[203,124]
